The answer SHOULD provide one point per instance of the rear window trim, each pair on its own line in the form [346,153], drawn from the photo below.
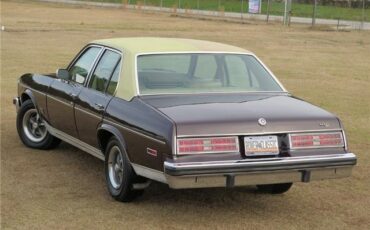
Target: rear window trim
[283,90]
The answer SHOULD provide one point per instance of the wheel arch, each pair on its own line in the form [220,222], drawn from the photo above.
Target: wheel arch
[105,132]
[28,95]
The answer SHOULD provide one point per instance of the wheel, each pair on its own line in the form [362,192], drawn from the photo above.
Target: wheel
[119,173]
[32,130]
[274,188]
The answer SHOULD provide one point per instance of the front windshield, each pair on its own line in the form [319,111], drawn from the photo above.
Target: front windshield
[202,73]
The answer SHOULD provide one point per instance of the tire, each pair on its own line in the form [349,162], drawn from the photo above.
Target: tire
[119,173]
[274,188]
[32,130]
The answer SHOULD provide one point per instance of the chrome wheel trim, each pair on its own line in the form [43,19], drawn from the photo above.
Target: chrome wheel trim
[115,167]
[33,126]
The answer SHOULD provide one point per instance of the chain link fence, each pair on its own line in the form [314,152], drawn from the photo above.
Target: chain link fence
[276,10]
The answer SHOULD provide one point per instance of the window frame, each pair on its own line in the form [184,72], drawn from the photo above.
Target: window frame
[110,78]
[274,78]
[78,56]
[95,63]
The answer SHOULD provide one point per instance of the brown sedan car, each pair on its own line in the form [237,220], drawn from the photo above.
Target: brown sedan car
[188,113]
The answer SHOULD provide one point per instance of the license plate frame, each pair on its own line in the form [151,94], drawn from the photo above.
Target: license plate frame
[261,145]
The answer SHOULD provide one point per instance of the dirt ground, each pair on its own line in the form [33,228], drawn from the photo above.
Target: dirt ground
[65,188]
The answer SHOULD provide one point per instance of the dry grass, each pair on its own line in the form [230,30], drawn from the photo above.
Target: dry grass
[65,188]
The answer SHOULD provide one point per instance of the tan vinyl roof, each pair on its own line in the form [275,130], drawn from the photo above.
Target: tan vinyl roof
[131,47]
[137,45]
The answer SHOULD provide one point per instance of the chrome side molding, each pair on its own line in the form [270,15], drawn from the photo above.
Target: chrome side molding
[139,169]
[75,142]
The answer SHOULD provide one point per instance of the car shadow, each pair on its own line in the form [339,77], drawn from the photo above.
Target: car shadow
[158,195]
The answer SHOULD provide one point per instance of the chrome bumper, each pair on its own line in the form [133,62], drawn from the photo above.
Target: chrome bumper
[17,103]
[258,171]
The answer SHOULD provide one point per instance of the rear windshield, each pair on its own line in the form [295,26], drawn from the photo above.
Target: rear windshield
[202,73]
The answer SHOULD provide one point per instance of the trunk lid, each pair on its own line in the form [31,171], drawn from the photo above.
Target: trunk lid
[221,114]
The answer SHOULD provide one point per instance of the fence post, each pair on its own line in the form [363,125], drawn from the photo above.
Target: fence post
[161,6]
[338,24]
[285,12]
[179,4]
[363,14]
[314,13]
[289,11]
[268,11]
[241,9]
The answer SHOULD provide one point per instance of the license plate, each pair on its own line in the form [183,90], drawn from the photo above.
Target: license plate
[261,145]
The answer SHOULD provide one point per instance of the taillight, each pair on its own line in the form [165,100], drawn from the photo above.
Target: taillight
[316,140]
[207,145]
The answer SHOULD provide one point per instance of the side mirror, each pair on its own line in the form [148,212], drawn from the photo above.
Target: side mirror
[63,74]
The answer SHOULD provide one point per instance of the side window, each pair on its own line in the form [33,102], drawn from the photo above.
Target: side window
[81,68]
[104,70]
[114,81]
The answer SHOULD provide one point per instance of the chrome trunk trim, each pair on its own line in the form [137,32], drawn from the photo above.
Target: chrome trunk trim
[261,133]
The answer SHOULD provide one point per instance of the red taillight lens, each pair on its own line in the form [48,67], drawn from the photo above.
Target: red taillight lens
[207,145]
[313,140]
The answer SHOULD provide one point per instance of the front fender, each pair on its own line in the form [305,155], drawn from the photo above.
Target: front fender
[28,94]
[35,87]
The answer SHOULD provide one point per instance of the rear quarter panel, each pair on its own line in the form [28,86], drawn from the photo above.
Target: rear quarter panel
[142,127]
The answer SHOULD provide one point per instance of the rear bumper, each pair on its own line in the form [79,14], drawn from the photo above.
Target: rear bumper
[258,171]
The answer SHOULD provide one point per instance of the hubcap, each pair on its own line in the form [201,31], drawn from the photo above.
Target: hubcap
[33,126]
[115,167]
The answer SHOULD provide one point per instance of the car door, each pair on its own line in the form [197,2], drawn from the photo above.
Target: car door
[90,104]
[62,93]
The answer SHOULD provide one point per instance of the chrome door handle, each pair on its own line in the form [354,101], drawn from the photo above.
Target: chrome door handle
[73,95]
[99,107]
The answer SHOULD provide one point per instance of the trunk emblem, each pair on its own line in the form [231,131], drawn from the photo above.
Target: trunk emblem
[324,124]
[262,121]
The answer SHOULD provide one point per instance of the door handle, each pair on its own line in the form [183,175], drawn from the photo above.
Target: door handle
[73,95]
[99,107]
